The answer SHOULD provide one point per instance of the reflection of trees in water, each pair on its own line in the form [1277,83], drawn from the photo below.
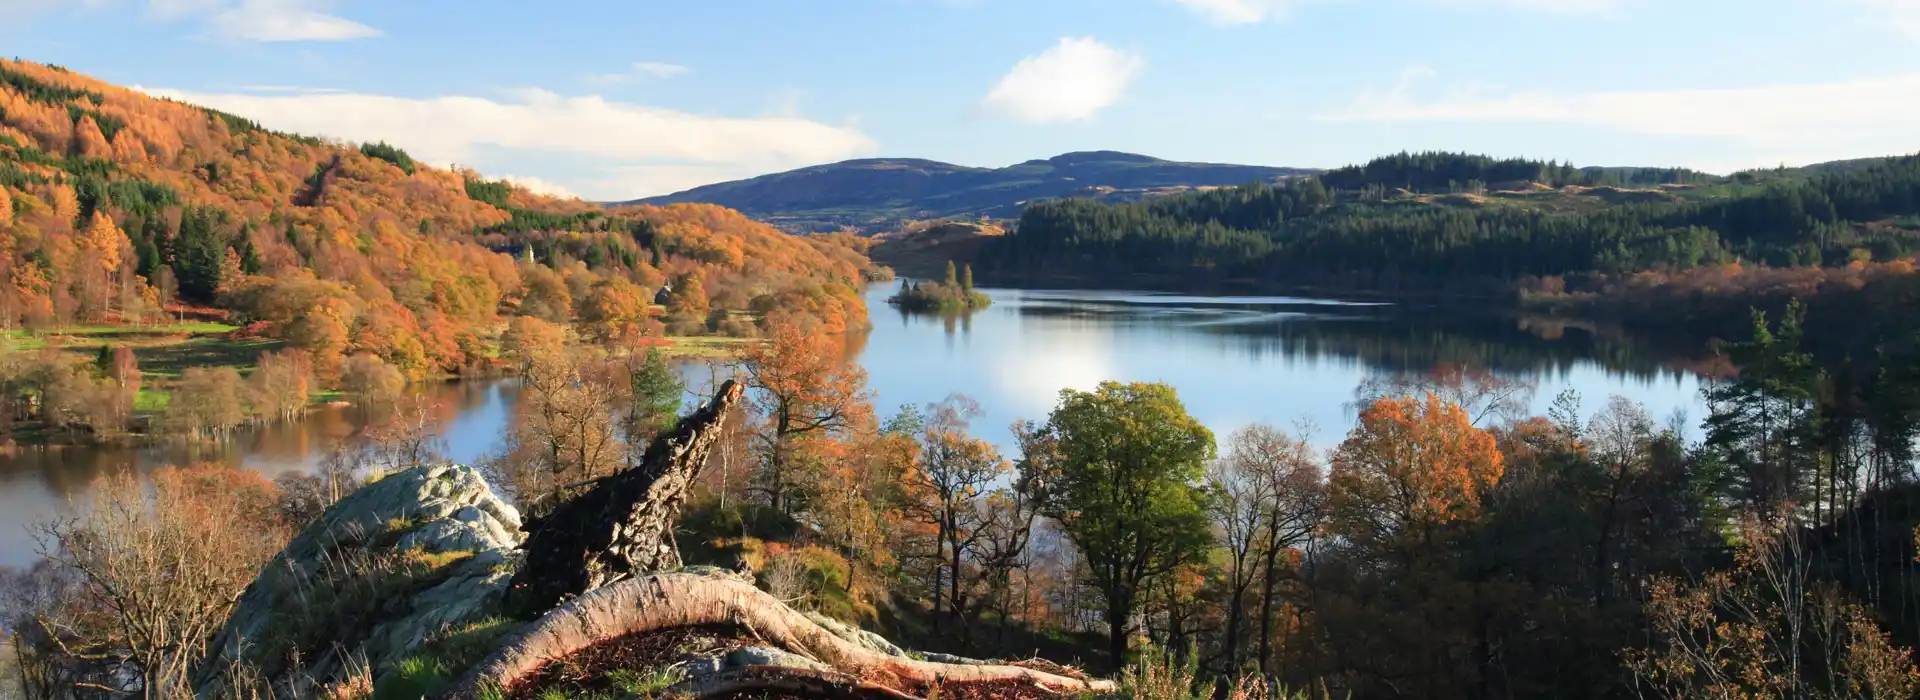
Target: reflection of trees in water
[1394,340]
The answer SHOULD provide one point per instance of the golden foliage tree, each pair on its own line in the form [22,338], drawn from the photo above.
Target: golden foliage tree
[1411,465]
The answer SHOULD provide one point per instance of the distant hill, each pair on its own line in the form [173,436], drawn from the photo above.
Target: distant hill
[877,193]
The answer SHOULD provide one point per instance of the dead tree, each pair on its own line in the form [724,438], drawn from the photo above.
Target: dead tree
[623,526]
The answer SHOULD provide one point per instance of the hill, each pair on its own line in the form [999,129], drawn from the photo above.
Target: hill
[877,194]
[1420,222]
[122,215]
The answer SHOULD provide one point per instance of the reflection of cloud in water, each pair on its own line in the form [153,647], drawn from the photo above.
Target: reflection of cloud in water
[1053,360]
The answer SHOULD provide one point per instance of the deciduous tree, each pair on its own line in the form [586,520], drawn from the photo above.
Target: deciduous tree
[1128,490]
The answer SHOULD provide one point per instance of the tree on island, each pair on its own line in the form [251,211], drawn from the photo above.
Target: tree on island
[954,295]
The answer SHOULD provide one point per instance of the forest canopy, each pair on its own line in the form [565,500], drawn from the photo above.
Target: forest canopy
[1454,218]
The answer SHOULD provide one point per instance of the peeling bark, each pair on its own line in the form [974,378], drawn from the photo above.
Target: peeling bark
[672,600]
[623,527]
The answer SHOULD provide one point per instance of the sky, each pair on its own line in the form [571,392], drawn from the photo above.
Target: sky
[619,99]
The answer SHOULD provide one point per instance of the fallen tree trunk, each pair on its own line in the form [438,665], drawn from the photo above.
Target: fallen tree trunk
[623,527]
[673,600]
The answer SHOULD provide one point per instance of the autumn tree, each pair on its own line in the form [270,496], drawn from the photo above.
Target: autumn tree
[953,476]
[615,310]
[166,567]
[1410,466]
[281,384]
[371,379]
[1268,500]
[687,306]
[565,433]
[1766,629]
[805,389]
[207,402]
[1128,490]
[546,296]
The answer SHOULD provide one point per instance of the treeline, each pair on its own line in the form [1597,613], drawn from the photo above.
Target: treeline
[1340,227]
[1447,172]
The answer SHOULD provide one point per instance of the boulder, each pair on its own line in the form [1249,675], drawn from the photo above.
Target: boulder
[377,575]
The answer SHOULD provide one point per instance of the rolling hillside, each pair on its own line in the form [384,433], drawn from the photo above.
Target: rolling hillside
[876,194]
[121,210]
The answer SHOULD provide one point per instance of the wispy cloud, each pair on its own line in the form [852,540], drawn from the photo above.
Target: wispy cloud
[1228,12]
[243,20]
[614,138]
[1560,7]
[1239,11]
[1802,122]
[285,20]
[1072,81]
[642,70]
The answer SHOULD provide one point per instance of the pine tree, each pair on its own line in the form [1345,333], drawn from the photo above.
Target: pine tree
[966,278]
[952,275]
[198,253]
[249,258]
[656,397]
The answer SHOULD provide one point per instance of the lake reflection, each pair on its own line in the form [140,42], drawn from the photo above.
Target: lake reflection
[36,483]
[1234,361]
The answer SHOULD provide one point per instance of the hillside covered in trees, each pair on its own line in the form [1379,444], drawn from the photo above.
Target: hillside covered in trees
[1471,222]
[124,215]
[877,194]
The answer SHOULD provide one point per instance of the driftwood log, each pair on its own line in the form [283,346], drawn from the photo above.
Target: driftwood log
[623,527]
[672,600]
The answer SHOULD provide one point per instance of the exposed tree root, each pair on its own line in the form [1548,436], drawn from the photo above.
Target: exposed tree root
[670,600]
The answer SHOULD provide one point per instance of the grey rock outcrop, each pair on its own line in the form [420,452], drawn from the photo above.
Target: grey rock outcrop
[377,575]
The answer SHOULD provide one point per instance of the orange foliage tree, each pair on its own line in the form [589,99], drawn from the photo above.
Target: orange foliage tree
[1411,465]
[806,390]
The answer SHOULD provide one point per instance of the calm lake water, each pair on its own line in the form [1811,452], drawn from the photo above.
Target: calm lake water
[1234,361]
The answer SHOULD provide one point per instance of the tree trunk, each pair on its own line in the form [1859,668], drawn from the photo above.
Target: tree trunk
[1266,608]
[624,525]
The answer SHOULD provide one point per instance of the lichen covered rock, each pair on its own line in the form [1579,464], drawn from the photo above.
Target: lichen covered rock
[376,576]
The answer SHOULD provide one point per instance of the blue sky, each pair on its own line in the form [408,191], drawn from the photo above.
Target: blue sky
[612,100]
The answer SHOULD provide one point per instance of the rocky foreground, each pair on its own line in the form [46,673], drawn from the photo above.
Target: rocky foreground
[426,584]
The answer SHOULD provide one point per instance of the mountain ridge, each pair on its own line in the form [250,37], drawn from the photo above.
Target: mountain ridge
[875,194]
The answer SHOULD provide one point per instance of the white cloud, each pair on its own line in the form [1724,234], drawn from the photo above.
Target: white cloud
[1074,80]
[284,20]
[613,136]
[1775,123]
[540,186]
[1239,11]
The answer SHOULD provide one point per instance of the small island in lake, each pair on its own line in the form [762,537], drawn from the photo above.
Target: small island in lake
[955,295]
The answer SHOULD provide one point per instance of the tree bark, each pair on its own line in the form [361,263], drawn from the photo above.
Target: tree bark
[622,527]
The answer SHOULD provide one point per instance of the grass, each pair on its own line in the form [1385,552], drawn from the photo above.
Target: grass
[706,347]
[442,659]
[151,400]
